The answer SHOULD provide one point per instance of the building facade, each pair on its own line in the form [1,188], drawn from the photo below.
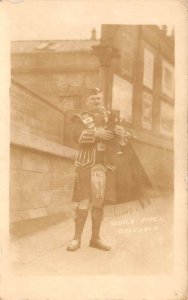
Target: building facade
[140,77]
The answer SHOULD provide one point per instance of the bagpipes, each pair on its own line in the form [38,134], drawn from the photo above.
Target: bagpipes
[128,198]
[98,172]
[112,119]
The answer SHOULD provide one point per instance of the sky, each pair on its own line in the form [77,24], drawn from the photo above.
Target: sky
[33,20]
[74,19]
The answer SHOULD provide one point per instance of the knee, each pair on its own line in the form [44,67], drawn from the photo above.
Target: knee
[84,204]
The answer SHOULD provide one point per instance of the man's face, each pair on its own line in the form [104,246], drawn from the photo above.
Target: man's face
[94,102]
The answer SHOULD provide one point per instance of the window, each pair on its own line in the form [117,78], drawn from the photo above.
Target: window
[146,110]
[148,68]
[166,119]
[122,92]
[167,79]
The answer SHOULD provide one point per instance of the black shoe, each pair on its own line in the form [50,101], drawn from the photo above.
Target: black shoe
[73,245]
[99,245]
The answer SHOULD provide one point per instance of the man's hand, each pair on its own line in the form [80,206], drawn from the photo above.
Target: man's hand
[104,134]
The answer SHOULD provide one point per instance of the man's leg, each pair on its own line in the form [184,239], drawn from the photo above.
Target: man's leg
[81,216]
[96,217]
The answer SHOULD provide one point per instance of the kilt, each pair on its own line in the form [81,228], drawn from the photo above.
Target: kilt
[126,183]
[82,186]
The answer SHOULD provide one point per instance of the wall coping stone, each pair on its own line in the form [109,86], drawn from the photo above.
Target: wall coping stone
[23,138]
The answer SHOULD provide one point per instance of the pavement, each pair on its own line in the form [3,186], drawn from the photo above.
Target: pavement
[142,244]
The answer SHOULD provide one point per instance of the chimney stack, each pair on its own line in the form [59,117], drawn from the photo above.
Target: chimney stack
[93,34]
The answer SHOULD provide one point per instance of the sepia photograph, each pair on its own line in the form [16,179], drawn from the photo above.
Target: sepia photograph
[91,139]
[92,154]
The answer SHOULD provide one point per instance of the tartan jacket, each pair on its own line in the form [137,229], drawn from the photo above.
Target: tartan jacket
[84,125]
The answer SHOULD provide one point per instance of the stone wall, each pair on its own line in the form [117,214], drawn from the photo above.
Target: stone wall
[41,167]
[32,114]
[51,85]
[40,184]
